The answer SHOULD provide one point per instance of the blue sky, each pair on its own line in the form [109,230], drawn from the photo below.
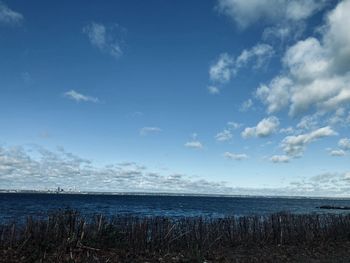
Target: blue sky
[221,96]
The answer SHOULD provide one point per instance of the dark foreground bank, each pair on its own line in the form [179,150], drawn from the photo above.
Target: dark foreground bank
[66,236]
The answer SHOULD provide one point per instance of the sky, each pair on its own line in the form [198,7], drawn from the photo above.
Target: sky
[211,97]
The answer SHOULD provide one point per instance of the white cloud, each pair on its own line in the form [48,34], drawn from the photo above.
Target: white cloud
[309,122]
[306,59]
[149,130]
[78,97]
[40,169]
[276,95]
[288,130]
[245,13]
[246,105]
[319,70]
[326,184]
[337,153]
[235,156]
[194,144]
[233,125]
[222,71]
[227,134]
[106,39]
[213,90]
[284,32]
[344,144]
[264,128]
[280,159]
[223,136]
[260,54]
[8,16]
[294,146]
[226,67]
[338,117]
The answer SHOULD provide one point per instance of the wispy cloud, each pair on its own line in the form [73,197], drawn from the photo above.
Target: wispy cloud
[344,143]
[213,90]
[223,136]
[8,16]
[107,39]
[337,153]
[78,97]
[280,159]
[344,147]
[235,156]
[221,71]
[246,105]
[270,12]
[149,130]
[227,133]
[194,145]
[227,66]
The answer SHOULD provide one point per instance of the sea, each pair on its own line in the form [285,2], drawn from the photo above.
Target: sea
[18,206]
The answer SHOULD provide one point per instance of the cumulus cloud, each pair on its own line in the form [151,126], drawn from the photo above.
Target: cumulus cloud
[276,94]
[8,16]
[245,13]
[235,156]
[264,128]
[149,130]
[317,70]
[294,146]
[78,97]
[107,39]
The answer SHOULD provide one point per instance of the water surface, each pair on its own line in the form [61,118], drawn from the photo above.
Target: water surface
[18,206]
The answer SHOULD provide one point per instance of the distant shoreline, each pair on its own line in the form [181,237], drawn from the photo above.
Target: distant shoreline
[51,192]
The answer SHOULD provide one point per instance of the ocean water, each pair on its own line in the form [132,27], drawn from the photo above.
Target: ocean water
[19,206]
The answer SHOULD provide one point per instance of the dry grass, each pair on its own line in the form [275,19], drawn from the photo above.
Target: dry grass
[67,236]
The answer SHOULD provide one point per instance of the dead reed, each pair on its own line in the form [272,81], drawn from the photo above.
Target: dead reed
[68,234]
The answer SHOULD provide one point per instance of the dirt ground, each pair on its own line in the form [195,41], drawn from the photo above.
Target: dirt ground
[333,252]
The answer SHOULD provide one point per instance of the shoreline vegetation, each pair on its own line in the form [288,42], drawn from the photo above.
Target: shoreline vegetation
[67,236]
